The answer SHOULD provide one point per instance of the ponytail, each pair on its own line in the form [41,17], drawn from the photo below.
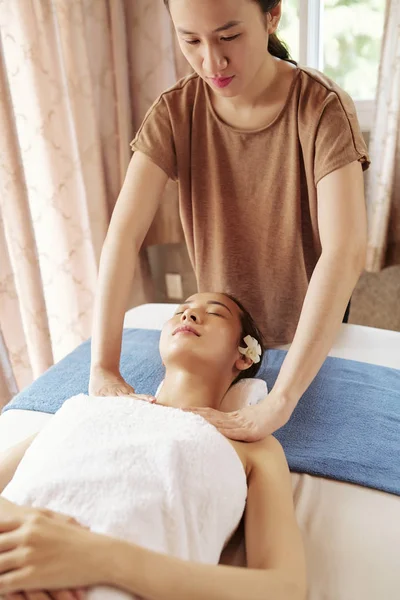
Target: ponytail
[278,48]
[275,46]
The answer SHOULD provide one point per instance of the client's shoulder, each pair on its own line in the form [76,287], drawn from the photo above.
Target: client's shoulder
[266,454]
[268,445]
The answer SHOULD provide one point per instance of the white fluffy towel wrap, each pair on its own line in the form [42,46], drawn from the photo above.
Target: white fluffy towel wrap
[157,476]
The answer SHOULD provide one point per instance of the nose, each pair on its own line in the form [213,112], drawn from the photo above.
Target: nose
[190,314]
[214,62]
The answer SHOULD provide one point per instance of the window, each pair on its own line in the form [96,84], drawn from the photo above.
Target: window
[343,39]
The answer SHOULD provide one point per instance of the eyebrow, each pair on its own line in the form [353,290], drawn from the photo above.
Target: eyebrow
[211,302]
[225,27]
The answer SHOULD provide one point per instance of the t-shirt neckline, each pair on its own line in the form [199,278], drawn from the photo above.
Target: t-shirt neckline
[221,122]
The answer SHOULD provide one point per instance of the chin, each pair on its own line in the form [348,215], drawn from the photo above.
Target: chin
[225,93]
[179,353]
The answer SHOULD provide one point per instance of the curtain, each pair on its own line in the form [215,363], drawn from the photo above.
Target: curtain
[383,184]
[76,77]
[152,55]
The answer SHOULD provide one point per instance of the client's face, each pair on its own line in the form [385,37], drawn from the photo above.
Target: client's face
[205,329]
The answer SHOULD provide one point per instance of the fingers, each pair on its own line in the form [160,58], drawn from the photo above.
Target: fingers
[58,516]
[120,389]
[8,524]
[132,394]
[11,560]
[53,515]
[236,434]
[48,595]
[242,434]
[113,389]
[146,398]
[66,595]
[8,542]
[124,391]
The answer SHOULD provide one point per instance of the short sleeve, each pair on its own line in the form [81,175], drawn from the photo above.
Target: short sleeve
[338,140]
[155,138]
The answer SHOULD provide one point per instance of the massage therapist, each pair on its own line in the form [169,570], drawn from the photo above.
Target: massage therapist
[268,157]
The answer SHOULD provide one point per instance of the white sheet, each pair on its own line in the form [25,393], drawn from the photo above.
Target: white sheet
[351,533]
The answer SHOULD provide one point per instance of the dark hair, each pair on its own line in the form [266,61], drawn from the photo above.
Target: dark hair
[275,46]
[249,327]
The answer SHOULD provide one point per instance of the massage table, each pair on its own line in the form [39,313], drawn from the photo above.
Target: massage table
[351,533]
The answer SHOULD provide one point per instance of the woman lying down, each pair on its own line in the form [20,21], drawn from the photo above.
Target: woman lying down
[153,491]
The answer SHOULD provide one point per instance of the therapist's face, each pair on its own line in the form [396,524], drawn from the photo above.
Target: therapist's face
[224,41]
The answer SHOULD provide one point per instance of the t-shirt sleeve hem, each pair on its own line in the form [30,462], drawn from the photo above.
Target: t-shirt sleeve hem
[136,146]
[342,162]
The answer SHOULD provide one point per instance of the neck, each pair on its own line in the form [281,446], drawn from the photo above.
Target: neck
[182,389]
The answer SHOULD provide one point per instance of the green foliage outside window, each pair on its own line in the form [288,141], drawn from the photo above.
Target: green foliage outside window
[352,36]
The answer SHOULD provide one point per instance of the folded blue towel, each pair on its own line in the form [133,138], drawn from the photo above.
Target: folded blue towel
[346,426]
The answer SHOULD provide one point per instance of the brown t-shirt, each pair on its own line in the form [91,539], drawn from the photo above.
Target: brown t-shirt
[248,200]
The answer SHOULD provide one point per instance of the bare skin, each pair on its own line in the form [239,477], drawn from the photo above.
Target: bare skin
[199,346]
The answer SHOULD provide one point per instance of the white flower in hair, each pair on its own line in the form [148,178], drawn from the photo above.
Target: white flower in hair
[253,350]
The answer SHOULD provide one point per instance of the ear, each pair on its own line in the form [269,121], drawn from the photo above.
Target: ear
[273,18]
[243,363]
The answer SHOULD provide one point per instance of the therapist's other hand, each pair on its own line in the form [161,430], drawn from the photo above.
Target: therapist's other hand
[252,423]
[104,382]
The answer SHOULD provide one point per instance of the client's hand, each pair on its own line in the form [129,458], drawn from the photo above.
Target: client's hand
[9,511]
[44,550]
[104,382]
[55,595]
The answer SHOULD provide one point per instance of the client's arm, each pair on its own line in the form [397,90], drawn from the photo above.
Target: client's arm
[10,459]
[274,549]
[275,556]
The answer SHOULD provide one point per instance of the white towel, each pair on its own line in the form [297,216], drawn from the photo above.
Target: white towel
[157,476]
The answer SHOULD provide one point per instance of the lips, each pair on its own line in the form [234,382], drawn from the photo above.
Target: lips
[221,82]
[186,328]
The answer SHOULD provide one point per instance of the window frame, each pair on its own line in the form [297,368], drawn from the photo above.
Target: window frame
[311,52]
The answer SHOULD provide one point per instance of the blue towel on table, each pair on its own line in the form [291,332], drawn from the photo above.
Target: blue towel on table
[346,426]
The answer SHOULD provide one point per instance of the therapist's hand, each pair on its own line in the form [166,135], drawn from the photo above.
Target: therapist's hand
[252,423]
[104,382]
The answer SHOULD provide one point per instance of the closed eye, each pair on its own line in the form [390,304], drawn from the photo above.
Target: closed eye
[209,313]
[230,39]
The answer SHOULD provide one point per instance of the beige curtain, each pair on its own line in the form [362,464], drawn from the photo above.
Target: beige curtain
[383,188]
[69,104]
[152,56]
